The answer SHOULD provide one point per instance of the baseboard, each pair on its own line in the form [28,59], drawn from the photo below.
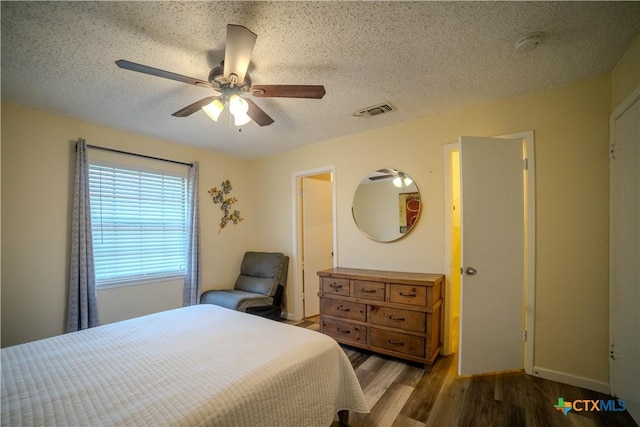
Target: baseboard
[574,380]
[288,316]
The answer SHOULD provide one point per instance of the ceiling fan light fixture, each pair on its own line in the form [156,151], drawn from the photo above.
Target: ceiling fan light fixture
[239,108]
[402,181]
[213,109]
[241,119]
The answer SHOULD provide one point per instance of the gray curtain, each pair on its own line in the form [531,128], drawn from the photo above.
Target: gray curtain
[82,306]
[193,270]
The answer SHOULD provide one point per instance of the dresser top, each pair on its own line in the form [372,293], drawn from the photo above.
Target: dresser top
[385,276]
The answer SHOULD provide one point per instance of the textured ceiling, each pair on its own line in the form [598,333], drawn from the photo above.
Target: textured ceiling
[423,57]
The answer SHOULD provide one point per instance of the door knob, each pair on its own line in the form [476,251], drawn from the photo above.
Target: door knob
[470,271]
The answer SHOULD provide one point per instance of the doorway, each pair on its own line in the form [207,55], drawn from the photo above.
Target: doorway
[314,237]
[454,253]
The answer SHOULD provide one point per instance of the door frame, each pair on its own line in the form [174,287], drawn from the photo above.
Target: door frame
[628,102]
[530,245]
[296,258]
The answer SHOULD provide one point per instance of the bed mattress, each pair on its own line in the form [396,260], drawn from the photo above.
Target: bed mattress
[199,365]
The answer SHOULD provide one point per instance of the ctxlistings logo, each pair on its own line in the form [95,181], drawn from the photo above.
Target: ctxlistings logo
[590,405]
[563,406]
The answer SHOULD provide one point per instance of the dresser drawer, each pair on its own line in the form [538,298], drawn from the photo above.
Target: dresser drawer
[397,341]
[345,331]
[344,309]
[333,286]
[367,290]
[396,318]
[407,294]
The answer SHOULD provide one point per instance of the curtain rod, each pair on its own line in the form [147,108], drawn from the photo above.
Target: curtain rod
[113,150]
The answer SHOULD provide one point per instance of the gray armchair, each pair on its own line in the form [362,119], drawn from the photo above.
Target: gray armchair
[259,287]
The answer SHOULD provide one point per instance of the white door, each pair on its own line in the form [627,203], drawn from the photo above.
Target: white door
[492,255]
[624,256]
[317,235]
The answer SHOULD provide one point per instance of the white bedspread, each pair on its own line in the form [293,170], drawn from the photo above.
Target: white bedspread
[199,365]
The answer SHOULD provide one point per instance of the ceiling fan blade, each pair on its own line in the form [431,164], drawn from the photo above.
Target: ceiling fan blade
[388,171]
[190,109]
[127,65]
[375,178]
[237,52]
[288,91]
[384,174]
[257,114]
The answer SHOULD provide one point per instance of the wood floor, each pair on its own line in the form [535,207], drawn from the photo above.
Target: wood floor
[401,394]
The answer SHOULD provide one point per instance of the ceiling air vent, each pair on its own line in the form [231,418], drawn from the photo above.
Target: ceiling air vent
[375,110]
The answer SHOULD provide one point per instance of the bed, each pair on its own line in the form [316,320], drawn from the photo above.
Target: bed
[196,366]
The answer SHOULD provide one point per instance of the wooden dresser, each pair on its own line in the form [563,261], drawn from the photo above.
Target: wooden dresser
[389,312]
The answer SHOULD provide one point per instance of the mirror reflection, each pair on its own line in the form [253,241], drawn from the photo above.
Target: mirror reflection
[386,205]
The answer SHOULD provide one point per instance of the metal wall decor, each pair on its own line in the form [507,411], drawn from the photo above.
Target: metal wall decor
[220,196]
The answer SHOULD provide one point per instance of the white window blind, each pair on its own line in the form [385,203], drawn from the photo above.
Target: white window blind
[139,222]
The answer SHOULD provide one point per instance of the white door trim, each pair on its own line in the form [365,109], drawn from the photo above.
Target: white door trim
[530,245]
[619,111]
[296,261]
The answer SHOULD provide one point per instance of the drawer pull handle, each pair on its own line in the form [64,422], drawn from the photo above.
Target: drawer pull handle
[368,291]
[335,286]
[402,294]
[344,331]
[341,308]
[399,319]
[396,342]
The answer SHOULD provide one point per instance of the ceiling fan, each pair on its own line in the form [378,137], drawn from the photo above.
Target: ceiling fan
[399,178]
[384,174]
[230,80]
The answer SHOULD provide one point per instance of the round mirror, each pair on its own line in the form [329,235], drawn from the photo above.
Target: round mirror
[386,205]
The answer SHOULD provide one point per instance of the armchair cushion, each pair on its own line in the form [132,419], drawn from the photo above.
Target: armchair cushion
[235,299]
[261,272]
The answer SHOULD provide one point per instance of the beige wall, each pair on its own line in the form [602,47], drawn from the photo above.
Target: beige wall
[571,137]
[625,77]
[37,173]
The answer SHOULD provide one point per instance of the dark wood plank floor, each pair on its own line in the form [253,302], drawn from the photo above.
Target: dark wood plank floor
[402,394]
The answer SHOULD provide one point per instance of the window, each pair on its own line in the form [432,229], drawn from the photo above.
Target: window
[139,223]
